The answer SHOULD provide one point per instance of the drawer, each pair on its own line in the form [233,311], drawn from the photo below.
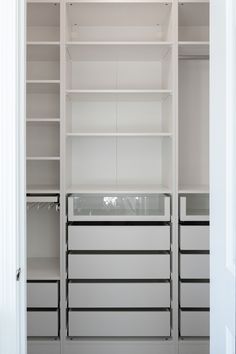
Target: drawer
[194,237]
[119,324]
[194,207]
[42,294]
[195,323]
[42,323]
[194,266]
[195,295]
[119,207]
[119,266]
[119,237]
[119,295]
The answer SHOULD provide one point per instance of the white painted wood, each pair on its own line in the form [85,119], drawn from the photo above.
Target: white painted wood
[194,209]
[42,323]
[222,140]
[46,346]
[118,238]
[12,178]
[194,266]
[42,295]
[115,324]
[195,295]
[43,268]
[118,295]
[194,347]
[120,346]
[194,237]
[195,324]
[162,214]
[119,266]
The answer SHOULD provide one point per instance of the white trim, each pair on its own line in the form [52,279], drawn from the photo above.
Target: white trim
[12,177]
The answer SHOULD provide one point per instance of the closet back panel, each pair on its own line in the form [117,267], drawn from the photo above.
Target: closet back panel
[43,105]
[116,114]
[194,122]
[194,22]
[136,160]
[43,22]
[117,75]
[43,233]
[118,22]
[43,173]
[43,140]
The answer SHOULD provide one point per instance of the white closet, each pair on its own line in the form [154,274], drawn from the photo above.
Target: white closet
[118,176]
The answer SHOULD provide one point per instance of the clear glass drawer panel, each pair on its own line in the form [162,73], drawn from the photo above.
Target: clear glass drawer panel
[119,205]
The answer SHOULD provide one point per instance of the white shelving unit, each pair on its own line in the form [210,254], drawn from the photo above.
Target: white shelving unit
[117,125]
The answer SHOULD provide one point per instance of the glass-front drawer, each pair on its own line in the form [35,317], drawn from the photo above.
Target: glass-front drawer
[152,207]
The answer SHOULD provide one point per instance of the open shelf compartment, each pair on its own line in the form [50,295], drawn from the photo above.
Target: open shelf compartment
[194,207]
[119,21]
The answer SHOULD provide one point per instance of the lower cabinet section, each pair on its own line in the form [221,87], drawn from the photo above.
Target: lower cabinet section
[48,346]
[42,323]
[195,295]
[118,295]
[119,323]
[194,323]
[118,266]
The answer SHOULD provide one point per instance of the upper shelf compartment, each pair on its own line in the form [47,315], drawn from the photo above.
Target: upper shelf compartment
[43,22]
[144,21]
[194,21]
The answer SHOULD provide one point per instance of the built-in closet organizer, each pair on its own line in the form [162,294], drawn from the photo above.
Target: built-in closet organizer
[117,176]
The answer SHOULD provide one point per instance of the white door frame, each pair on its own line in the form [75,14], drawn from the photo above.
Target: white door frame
[12,177]
[223,175]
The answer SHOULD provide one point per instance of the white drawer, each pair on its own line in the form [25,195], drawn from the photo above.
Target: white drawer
[194,207]
[119,324]
[194,237]
[194,295]
[195,324]
[42,295]
[119,266]
[119,237]
[194,266]
[119,295]
[42,323]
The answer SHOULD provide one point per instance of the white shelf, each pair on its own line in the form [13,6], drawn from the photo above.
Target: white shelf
[43,81]
[42,158]
[155,95]
[43,269]
[42,189]
[121,51]
[42,120]
[194,189]
[196,48]
[89,134]
[40,43]
[142,189]
[193,1]
[115,1]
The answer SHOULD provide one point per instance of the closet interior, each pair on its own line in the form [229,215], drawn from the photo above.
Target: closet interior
[117,156]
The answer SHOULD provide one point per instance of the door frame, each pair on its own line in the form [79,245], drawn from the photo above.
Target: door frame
[12,178]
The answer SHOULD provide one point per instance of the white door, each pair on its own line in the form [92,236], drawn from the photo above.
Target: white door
[12,190]
[223,175]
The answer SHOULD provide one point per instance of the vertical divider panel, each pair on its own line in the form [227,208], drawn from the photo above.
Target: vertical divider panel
[175,167]
[62,174]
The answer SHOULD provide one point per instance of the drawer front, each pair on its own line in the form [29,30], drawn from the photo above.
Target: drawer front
[195,295]
[119,266]
[195,324]
[119,295]
[194,237]
[42,323]
[42,295]
[119,237]
[194,266]
[119,324]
